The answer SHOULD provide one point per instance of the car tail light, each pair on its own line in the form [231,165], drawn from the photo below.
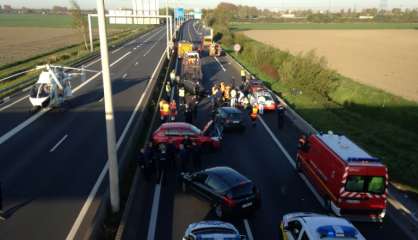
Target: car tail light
[229,202]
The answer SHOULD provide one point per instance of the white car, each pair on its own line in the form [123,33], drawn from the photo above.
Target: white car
[212,230]
[265,98]
[312,226]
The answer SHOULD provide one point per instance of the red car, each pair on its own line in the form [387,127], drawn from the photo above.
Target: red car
[209,138]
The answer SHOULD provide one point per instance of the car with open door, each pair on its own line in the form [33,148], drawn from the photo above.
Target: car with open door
[231,193]
[209,138]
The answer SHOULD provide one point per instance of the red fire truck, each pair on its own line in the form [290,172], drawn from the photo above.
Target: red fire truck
[352,183]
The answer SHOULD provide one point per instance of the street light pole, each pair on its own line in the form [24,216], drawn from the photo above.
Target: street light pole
[109,116]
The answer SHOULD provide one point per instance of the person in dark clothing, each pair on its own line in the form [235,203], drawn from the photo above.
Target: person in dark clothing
[171,153]
[162,160]
[196,156]
[280,115]
[187,143]
[188,115]
[194,106]
[149,155]
[183,156]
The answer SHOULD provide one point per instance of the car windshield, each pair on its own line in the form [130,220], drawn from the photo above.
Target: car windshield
[369,184]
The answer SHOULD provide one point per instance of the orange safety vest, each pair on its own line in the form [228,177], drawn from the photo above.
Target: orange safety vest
[173,108]
[165,109]
[254,112]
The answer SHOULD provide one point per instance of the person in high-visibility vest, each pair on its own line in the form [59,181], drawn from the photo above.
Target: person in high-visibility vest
[222,87]
[172,76]
[253,113]
[173,110]
[163,113]
[182,94]
[243,75]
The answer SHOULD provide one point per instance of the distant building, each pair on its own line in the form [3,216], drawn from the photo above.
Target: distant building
[288,15]
[366,17]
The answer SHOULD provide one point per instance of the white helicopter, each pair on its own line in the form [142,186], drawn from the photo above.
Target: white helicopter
[53,86]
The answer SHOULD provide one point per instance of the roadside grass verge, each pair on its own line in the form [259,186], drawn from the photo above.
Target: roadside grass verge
[242,26]
[383,124]
[64,56]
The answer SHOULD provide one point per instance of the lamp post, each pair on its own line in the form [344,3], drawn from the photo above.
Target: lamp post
[109,116]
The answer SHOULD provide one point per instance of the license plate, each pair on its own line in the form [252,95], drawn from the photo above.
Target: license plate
[247,205]
[235,122]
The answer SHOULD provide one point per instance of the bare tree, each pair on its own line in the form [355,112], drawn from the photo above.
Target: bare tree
[79,21]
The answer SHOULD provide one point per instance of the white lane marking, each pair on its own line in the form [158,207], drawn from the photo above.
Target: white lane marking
[291,161]
[149,50]
[154,210]
[136,63]
[30,120]
[95,61]
[59,143]
[21,126]
[26,89]
[101,100]
[117,50]
[248,230]
[153,35]
[13,103]
[93,192]
[220,64]
[124,75]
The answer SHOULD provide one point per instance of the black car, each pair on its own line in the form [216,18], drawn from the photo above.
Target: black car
[230,118]
[230,192]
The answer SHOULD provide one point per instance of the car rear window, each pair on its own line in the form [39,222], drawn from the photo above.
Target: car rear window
[369,184]
[241,190]
[235,116]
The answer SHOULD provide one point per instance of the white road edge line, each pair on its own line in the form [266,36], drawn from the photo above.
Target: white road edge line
[30,120]
[248,230]
[220,64]
[58,143]
[13,103]
[291,161]
[154,210]
[117,50]
[93,192]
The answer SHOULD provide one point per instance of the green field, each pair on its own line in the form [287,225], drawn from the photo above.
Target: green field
[39,20]
[241,26]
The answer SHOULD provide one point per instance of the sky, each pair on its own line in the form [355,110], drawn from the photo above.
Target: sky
[269,4]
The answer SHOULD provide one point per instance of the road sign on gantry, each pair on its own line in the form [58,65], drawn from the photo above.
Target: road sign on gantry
[179,13]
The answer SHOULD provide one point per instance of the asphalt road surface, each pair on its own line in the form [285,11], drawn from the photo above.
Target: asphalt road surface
[161,211]
[51,160]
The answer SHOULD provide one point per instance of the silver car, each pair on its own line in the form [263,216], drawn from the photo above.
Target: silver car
[212,230]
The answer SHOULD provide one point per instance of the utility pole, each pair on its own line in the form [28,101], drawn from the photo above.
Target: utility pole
[167,29]
[109,116]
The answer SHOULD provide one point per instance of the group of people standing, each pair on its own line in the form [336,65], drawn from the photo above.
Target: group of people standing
[153,159]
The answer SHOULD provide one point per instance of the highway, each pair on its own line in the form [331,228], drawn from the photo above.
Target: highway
[53,161]
[262,153]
